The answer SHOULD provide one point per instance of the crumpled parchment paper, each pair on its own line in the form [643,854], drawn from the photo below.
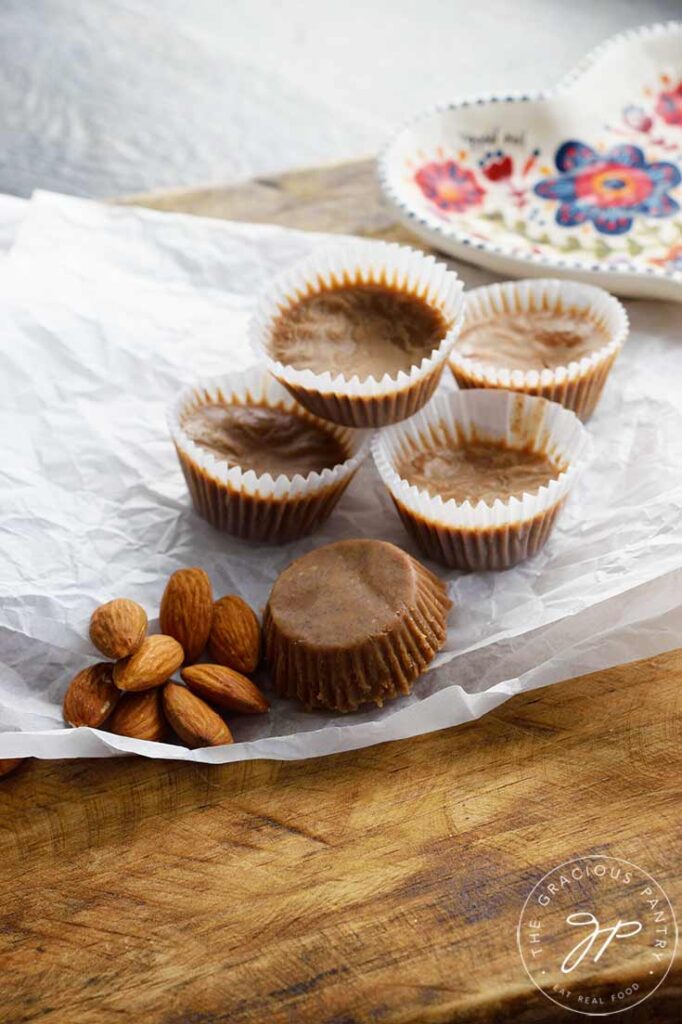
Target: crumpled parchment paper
[106,312]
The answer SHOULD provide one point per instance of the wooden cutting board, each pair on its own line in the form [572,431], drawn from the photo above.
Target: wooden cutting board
[380,885]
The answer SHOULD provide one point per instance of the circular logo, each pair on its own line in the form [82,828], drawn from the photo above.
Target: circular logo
[597,935]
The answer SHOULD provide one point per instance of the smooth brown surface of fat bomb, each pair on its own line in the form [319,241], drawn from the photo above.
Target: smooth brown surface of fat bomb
[360,329]
[534,340]
[264,439]
[352,622]
[478,471]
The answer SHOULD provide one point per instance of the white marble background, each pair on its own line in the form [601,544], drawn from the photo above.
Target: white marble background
[103,97]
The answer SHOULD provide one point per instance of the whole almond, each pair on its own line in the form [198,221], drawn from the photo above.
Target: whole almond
[235,634]
[226,688]
[194,721]
[139,715]
[91,696]
[155,661]
[187,610]
[8,764]
[118,627]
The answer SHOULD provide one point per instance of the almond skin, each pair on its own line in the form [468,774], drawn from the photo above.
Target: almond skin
[118,627]
[226,688]
[194,721]
[140,716]
[152,664]
[8,764]
[91,696]
[235,634]
[187,610]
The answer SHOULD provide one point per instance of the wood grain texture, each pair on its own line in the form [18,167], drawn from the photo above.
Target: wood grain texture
[382,885]
[344,198]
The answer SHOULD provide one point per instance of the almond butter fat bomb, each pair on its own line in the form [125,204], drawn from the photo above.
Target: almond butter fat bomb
[476,471]
[351,623]
[257,465]
[363,329]
[534,339]
[360,331]
[264,439]
[554,339]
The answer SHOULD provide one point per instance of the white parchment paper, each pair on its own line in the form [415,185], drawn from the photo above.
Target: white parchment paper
[105,313]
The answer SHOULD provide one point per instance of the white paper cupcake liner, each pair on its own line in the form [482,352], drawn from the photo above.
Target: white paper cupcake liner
[350,401]
[577,385]
[483,536]
[244,503]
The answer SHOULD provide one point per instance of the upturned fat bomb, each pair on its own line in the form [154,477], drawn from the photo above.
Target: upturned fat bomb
[351,623]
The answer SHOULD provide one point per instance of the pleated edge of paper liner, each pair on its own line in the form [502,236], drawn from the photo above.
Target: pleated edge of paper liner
[370,402]
[579,384]
[250,505]
[481,535]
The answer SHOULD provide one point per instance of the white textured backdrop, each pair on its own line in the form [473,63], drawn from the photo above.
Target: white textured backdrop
[102,97]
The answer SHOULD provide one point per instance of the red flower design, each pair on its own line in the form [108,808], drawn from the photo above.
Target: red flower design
[451,187]
[669,105]
[497,166]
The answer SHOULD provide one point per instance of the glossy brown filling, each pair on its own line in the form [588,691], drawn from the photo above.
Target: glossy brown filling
[364,330]
[535,340]
[479,471]
[264,439]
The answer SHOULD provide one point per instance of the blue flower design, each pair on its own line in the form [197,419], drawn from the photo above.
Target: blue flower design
[609,189]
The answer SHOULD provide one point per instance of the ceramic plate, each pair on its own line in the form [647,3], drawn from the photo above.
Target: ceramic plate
[584,180]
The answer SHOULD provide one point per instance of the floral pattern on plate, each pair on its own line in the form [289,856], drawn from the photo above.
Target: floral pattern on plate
[450,187]
[589,187]
[609,189]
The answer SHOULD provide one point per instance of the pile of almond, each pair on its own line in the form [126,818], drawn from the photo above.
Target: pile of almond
[134,695]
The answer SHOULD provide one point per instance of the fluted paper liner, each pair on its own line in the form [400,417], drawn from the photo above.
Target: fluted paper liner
[483,536]
[255,506]
[351,401]
[577,385]
[384,666]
